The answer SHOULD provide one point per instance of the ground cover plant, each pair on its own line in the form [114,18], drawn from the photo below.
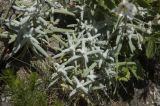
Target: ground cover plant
[86,52]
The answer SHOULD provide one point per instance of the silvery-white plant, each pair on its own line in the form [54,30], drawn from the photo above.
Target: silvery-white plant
[89,62]
[33,28]
[86,62]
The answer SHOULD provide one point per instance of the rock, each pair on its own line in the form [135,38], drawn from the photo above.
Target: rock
[5,104]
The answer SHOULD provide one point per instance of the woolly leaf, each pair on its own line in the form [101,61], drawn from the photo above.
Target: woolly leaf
[151,48]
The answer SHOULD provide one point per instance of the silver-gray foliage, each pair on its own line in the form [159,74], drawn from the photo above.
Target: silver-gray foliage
[89,62]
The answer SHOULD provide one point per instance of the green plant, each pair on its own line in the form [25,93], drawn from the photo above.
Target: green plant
[25,92]
[58,102]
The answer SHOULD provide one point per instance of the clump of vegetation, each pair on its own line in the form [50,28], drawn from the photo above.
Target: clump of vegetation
[24,92]
[94,47]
